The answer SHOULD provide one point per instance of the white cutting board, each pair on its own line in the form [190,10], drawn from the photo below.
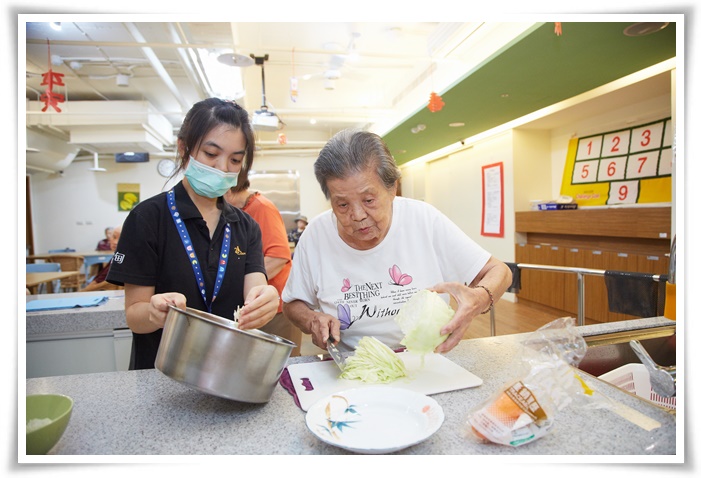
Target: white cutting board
[437,375]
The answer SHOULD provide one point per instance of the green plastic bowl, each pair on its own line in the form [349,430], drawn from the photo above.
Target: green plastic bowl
[47,419]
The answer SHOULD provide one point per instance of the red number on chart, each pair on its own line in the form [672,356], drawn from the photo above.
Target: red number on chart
[616,142]
[622,193]
[646,138]
[589,148]
[642,163]
[611,169]
[585,171]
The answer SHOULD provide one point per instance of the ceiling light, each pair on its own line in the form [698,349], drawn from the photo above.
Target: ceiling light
[418,128]
[456,125]
[235,59]
[312,121]
[332,74]
[122,80]
[223,81]
[644,28]
[55,25]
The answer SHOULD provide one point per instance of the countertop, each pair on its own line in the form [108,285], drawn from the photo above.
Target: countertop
[107,316]
[146,413]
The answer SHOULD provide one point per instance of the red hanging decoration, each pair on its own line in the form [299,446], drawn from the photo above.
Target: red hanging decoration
[558,28]
[51,79]
[435,103]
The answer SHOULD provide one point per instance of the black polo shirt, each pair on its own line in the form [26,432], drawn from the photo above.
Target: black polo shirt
[150,252]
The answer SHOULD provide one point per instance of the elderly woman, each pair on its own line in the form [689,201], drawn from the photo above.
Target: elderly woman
[356,264]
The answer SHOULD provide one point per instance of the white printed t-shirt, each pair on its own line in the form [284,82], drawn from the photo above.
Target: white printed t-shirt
[366,289]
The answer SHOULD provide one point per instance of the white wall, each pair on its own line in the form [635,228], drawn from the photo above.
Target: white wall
[453,183]
[534,161]
[74,209]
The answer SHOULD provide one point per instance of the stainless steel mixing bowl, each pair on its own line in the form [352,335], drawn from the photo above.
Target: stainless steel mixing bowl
[209,353]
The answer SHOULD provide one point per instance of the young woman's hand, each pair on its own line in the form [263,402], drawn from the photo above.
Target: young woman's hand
[260,306]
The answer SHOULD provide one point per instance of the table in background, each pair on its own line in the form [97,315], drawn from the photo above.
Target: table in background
[90,258]
[36,278]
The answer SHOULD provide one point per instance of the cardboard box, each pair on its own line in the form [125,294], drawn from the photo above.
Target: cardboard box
[555,206]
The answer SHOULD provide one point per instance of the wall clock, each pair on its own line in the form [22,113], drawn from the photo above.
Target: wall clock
[166,167]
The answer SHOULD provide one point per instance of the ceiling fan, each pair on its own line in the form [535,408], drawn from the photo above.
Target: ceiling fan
[332,69]
[264,119]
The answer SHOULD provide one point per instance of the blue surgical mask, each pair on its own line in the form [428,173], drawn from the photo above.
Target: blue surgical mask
[207,181]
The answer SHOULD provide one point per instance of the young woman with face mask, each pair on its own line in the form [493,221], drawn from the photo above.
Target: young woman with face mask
[188,247]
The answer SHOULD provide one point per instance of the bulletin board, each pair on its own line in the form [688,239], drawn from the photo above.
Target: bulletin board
[627,166]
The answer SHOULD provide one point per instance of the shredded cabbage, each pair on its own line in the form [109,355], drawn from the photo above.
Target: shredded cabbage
[373,362]
[421,319]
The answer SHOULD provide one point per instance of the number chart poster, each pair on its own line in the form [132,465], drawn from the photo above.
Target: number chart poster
[627,166]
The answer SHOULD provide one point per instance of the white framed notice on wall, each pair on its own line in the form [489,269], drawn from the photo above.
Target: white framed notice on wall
[493,200]
[628,166]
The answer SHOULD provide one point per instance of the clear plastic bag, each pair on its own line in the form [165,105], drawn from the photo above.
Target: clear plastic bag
[525,409]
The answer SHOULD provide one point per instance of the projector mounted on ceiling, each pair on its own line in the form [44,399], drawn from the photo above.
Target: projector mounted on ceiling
[264,119]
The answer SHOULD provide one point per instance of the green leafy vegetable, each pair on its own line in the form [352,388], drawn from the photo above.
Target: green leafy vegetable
[421,319]
[373,362]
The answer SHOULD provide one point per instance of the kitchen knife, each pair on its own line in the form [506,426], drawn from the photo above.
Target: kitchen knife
[335,353]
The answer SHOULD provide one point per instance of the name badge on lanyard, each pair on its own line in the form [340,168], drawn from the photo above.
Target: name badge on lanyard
[190,250]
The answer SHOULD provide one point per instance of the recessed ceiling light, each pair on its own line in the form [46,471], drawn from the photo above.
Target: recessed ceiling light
[55,25]
[312,121]
[456,125]
[504,95]
[401,151]
[644,28]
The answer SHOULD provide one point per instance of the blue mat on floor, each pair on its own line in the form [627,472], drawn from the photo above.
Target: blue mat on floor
[65,303]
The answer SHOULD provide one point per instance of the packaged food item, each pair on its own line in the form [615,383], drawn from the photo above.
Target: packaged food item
[525,409]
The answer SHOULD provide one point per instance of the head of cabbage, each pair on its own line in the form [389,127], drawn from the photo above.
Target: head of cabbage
[421,319]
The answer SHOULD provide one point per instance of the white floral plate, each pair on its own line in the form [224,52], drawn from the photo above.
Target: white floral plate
[375,419]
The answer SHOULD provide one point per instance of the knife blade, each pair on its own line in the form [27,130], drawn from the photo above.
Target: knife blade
[335,353]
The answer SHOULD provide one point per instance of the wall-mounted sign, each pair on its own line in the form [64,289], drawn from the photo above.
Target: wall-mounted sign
[628,166]
[493,200]
[128,195]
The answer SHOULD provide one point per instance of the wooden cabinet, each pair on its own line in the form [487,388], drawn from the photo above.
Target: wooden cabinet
[623,239]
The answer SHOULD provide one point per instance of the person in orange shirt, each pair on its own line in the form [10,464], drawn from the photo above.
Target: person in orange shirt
[276,250]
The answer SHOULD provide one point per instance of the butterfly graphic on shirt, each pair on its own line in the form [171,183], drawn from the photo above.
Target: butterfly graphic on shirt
[395,273]
[346,285]
[344,316]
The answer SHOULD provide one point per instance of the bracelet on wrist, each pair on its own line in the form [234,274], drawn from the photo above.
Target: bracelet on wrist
[491,297]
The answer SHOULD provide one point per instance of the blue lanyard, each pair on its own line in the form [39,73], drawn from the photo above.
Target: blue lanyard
[187,244]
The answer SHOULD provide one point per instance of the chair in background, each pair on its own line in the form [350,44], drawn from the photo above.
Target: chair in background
[46,267]
[70,263]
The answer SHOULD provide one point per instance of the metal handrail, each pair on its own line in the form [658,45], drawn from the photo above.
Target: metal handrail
[580,271]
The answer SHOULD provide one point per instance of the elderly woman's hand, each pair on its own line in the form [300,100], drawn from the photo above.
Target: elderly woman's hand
[260,306]
[469,305]
[158,306]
